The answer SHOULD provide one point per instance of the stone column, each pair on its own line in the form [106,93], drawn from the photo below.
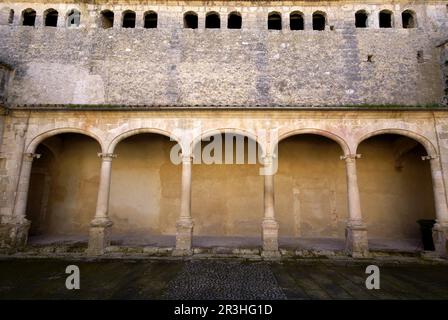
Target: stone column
[19,225]
[185,223]
[269,225]
[100,225]
[440,230]
[356,231]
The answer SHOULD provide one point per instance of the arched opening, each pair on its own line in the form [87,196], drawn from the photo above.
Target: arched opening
[361,19]
[311,193]
[145,191]
[150,20]
[128,19]
[227,192]
[386,20]
[63,188]
[396,191]
[73,18]
[296,21]
[212,21]
[50,18]
[190,20]
[234,20]
[6,16]
[274,21]
[319,21]
[107,19]
[28,17]
[409,20]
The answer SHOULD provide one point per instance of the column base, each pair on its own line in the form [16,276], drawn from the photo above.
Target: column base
[99,236]
[184,236]
[440,238]
[356,243]
[270,238]
[14,234]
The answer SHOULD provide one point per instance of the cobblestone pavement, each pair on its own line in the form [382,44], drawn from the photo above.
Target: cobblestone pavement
[219,279]
[225,280]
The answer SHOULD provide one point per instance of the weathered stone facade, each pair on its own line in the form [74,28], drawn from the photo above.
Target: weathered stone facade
[353,94]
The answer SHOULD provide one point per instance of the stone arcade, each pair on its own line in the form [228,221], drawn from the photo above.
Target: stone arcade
[95,94]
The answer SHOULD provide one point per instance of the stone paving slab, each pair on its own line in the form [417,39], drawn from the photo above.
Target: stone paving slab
[219,279]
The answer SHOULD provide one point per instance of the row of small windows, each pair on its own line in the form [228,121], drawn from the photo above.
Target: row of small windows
[50,17]
[213,21]
[129,17]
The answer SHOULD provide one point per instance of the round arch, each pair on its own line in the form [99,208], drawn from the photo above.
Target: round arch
[425,142]
[111,147]
[41,137]
[340,141]
[212,132]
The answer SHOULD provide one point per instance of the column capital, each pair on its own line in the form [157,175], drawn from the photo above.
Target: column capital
[20,130]
[430,157]
[107,156]
[268,158]
[348,157]
[29,156]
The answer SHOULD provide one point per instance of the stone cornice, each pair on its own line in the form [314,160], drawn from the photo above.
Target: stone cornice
[127,108]
[225,2]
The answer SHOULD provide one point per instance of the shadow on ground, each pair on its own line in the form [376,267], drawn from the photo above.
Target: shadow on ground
[218,279]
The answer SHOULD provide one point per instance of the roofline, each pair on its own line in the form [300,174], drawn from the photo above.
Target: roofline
[127,108]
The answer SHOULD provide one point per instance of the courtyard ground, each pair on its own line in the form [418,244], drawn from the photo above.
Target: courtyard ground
[40,278]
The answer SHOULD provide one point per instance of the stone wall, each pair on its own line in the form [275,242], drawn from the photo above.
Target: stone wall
[253,66]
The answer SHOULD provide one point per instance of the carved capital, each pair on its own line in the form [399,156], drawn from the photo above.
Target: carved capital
[107,156]
[430,157]
[268,158]
[30,156]
[350,157]
[20,130]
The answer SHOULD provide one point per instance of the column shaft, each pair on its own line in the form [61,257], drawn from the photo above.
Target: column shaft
[185,224]
[354,203]
[440,230]
[100,225]
[269,226]
[185,207]
[269,199]
[356,232]
[102,205]
[23,187]
[439,191]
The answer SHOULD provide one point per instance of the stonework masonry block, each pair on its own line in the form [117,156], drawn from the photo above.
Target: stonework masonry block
[356,241]
[440,237]
[184,237]
[14,235]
